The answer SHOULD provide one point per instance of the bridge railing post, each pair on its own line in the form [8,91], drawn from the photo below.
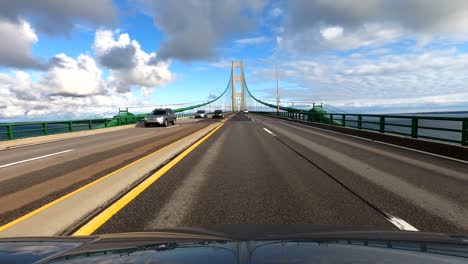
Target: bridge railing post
[414,127]
[359,124]
[70,126]
[464,140]
[382,124]
[10,132]
[90,124]
[44,128]
[343,120]
[331,119]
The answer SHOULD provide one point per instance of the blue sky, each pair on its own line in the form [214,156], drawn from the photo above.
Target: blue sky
[75,59]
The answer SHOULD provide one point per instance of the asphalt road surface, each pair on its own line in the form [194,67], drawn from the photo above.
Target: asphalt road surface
[32,176]
[260,170]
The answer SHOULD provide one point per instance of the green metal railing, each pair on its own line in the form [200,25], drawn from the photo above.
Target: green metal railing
[445,129]
[11,131]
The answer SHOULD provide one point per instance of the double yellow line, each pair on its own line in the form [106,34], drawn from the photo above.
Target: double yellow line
[104,216]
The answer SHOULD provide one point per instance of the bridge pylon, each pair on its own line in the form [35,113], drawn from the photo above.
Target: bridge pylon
[238,99]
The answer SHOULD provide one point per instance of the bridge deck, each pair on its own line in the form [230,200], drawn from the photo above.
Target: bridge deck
[259,170]
[54,169]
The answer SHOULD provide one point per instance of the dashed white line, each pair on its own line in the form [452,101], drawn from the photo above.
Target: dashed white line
[401,224]
[36,158]
[268,131]
[382,143]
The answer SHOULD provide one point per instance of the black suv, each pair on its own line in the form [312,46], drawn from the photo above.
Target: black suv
[160,116]
[218,114]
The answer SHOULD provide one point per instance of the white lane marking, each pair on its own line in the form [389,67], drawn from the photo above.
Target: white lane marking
[268,131]
[384,143]
[36,158]
[252,120]
[401,224]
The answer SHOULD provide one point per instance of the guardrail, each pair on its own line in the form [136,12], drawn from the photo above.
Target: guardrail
[11,131]
[445,129]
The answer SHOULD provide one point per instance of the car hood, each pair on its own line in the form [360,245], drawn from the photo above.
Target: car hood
[242,244]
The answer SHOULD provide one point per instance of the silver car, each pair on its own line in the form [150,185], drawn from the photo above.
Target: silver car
[201,114]
[160,117]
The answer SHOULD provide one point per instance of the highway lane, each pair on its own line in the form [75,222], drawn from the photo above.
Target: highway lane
[243,175]
[270,171]
[29,185]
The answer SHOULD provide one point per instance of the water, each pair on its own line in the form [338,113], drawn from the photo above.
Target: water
[394,125]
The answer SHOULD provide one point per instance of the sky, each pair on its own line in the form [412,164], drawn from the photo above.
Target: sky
[80,58]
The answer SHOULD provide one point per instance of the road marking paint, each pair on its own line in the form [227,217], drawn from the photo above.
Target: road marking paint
[401,224]
[36,158]
[44,207]
[383,143]
[113,209]
[171,126]
[268,131]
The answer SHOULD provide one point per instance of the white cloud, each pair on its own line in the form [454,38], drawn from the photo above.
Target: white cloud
[252,41]
[71,88]
[129,65]
[17,41]
[276,12]
[330,33]
[310,27]
[435,78]
[67,76]
[20,97]
[317,40]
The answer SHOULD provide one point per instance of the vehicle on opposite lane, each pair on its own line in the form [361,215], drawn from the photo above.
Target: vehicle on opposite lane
[160,116]
[201,114]
[218,114]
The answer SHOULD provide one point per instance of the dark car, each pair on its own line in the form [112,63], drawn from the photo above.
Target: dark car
[160,117]
[218,114]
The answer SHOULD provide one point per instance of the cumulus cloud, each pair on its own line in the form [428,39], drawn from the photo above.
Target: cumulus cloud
[347,24]
[397,80]
[74,78]
[129,65]
[58,17]
[17,41]
[21,97]
[193,28]
[73,87]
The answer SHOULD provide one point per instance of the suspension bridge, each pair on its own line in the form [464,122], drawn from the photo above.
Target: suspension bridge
[263,163]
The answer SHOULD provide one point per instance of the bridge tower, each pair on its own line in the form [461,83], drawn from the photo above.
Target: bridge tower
[238,99]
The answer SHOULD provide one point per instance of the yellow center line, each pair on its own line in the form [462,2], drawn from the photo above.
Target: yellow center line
[110,211]
[46,206]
